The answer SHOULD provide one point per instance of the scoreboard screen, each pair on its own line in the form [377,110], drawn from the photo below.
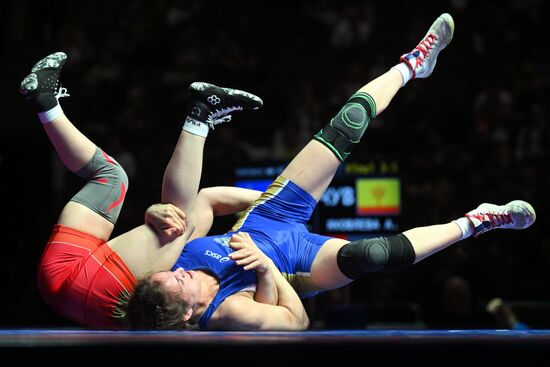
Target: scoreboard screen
[363,199]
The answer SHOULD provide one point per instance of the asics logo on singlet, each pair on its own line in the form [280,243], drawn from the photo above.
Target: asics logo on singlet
[224,241]
[216,256]
[214,99]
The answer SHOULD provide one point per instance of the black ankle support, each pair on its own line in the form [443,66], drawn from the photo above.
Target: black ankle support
[359,258]
[348,126]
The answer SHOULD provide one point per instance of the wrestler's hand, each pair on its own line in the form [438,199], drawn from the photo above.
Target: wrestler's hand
[167,219]
[247,254]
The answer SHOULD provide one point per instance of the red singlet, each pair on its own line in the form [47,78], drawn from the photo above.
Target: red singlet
[80,277]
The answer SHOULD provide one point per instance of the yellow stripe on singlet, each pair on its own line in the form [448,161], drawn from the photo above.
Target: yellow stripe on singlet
[276,186]
[302,283]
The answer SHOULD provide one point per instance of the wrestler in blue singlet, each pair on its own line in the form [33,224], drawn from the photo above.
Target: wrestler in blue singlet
[277,224]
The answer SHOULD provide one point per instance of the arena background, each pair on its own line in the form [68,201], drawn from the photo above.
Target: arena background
[477,130]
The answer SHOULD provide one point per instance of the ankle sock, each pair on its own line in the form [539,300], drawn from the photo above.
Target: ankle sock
[466,226]
[405,71]
[51,114]
[196,127]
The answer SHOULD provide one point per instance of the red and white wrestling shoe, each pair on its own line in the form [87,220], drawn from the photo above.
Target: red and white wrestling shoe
[517,214]
[422,59]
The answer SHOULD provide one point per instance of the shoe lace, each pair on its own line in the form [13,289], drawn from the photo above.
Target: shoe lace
[213,123]
[214,117]
[61,92]
[426,45]
[497,219]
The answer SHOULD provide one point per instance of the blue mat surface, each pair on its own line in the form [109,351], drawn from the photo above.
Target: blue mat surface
[53,337]
[345,347]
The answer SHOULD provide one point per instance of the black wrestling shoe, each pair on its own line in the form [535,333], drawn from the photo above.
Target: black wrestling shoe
[40,86]
[212,104]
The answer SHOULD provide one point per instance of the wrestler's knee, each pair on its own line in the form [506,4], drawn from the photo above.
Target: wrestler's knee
[106,188]
[359,258]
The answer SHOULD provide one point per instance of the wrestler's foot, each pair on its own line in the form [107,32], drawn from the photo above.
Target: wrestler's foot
[422,59]
[40,86]
[517,214]
[213,104]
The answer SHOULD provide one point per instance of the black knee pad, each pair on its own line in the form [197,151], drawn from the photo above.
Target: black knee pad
[359,258]
[348,126]
[106,187]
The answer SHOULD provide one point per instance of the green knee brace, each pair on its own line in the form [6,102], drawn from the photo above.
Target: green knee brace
[348,126]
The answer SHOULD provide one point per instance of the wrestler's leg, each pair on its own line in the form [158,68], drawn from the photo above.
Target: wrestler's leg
[209,105]
[314,167]
[74,149]
[141,248]
[327,273]
[183,173]
[338,262]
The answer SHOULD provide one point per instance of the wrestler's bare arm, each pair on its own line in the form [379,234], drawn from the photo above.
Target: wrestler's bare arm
[219,201]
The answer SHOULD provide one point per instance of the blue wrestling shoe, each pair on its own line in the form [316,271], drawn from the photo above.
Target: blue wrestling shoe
[213,105]
[422,59]
[517,214]
[40,86]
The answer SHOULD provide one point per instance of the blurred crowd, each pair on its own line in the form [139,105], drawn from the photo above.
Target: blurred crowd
[476,131]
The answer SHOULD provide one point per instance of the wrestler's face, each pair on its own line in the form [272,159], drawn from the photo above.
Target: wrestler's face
[184,284]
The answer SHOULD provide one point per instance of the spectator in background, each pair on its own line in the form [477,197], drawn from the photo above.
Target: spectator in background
[457,306]
[504,315]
